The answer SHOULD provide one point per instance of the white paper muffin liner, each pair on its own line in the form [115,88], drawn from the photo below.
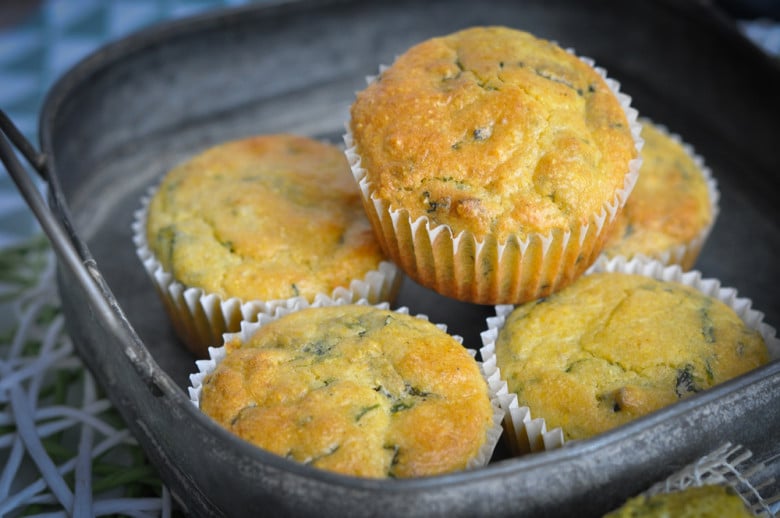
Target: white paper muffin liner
[484,270]
[527,434]
[200,318]
[685,254]
[728,465]
[217,354]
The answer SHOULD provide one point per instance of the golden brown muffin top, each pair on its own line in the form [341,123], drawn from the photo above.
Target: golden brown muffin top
[613,346]
[670,204]
[493,130]
[263,218]
[356,390]
[707,501]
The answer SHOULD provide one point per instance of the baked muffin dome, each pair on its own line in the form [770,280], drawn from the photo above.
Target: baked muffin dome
[498,148]
[614,346]
[253,224]
[673,206]
[357,390]
[267,217]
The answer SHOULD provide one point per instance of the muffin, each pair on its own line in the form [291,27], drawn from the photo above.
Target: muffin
[355,389]
[252,224]
[673,206]
[708,501]
[624,340]
[492,163]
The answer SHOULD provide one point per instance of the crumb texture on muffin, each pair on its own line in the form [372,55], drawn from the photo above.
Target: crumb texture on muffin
[493,131]
[356,390]
[671,202]
[267,217]
[706,501]
[613,346]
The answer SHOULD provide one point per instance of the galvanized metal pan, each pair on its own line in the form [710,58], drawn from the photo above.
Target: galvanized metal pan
[116,122]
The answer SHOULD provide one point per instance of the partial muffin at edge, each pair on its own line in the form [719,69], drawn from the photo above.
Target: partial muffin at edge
[705,501]
[673,206]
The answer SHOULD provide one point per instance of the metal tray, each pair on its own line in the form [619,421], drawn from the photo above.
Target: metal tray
[117,121]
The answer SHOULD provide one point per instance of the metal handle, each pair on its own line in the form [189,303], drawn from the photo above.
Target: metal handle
[71,252]
[38,160]
[60,239]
